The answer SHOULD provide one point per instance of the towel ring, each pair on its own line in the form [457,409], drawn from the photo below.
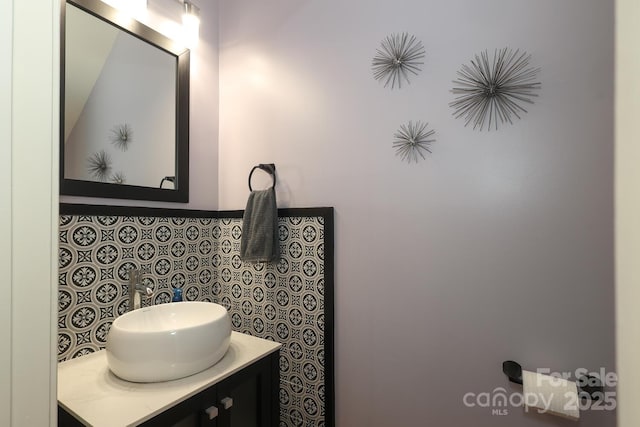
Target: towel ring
[269,168]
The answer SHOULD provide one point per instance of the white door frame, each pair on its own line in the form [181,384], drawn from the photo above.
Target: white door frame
[29,119]
[627,219]
[6,49]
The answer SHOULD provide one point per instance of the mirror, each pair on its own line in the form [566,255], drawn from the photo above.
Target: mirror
[124,125]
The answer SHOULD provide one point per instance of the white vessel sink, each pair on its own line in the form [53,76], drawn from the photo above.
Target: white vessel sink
[168,341]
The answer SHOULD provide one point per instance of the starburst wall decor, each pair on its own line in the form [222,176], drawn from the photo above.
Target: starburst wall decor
[413,140]
[495,90]
[121,136]
[118,178]
[99,165]
[399,56]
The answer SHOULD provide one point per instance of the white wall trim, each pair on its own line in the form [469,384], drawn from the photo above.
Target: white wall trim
[6,52]
[34,211]
[627,210]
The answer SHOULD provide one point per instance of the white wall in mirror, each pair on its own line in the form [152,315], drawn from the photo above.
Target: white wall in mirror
[92,52]
[118,66]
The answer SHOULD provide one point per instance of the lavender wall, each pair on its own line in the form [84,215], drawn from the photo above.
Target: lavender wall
[498,246]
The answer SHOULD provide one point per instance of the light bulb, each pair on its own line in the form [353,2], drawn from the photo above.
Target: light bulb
[133,8]
[191,24]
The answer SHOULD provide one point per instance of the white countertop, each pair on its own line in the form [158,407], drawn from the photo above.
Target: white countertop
[88,390]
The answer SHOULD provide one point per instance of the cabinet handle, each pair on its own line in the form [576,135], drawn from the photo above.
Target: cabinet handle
[227,402]
[212,411]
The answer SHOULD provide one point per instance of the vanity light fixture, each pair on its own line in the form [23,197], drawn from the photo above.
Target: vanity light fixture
[133,8]
[190,23]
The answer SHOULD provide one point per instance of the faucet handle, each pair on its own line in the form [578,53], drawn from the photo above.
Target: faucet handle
[145,290]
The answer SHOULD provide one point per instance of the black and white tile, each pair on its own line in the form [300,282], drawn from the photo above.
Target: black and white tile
[283,301]
[96,254]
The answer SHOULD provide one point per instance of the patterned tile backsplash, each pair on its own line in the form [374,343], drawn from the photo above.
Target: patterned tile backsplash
[281,301]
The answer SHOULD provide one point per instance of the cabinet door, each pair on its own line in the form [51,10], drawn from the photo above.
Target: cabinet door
[248,398]
[197,411]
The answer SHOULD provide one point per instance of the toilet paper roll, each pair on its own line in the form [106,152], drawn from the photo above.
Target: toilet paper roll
[550,395]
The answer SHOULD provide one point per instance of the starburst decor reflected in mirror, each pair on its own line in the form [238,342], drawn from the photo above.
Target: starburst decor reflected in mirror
[399,56]
[118,178]
[495,90]
[413,140]
[99,165]
[121,136]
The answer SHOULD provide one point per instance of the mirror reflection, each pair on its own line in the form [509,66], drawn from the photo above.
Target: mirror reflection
[125,108]
[107,137]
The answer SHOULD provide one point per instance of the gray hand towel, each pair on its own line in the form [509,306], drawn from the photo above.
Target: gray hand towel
[259,242]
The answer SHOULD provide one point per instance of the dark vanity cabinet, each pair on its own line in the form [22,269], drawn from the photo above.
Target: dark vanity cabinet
[248,398]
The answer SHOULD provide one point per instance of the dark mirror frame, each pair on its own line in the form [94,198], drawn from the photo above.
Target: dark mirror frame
[74,187]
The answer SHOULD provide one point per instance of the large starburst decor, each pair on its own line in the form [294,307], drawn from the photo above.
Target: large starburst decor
[413,140]
[399,56]
[495,90]
[99,165]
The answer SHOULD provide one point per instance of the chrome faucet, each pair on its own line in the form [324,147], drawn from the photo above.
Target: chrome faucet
[137,290]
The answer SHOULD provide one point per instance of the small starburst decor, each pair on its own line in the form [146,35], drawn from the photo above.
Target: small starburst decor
[121,136]
[399,56]
[118,178]
[413,140]
[99,165]
[495,90]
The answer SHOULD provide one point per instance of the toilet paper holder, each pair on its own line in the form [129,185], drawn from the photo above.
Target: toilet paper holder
[589,386]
